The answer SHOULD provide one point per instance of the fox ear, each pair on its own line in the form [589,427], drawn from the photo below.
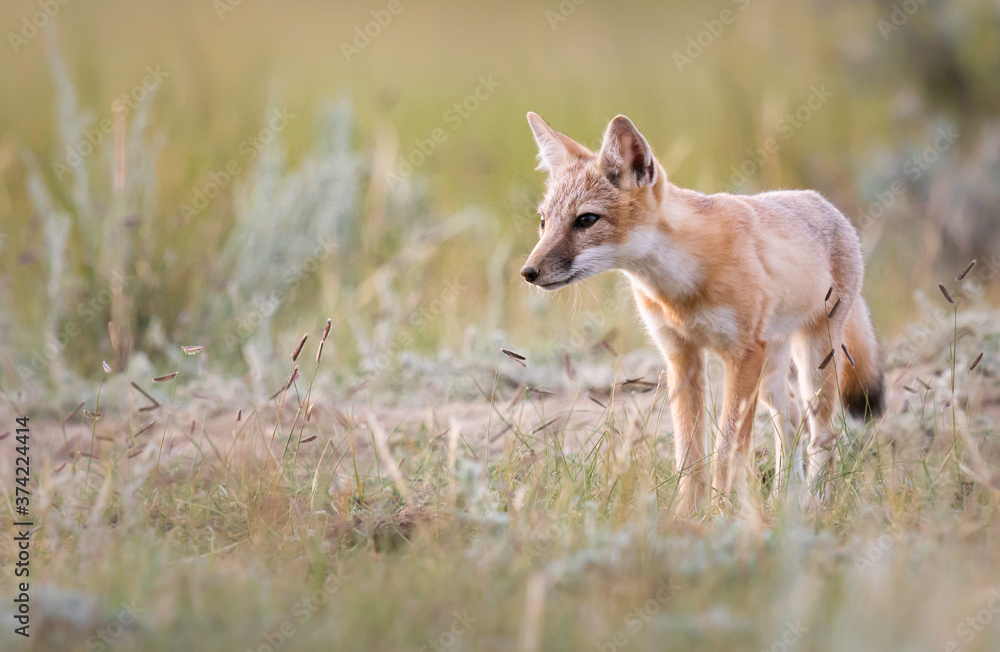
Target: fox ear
[626,154]
[555,150]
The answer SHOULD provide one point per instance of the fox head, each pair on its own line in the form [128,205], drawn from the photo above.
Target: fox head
[594,204]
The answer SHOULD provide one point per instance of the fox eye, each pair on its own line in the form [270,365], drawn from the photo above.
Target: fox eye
[541,223]
[586,221]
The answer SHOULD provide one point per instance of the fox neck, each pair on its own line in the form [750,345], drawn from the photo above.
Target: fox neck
[657,255]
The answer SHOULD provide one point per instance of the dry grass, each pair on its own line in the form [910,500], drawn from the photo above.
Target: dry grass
[525,519]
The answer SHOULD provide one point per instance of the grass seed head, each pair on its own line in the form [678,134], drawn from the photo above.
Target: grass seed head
[826,360]
[965,272]
[145,427]
[947,296]
[848,354]
[516,357]
[298,349]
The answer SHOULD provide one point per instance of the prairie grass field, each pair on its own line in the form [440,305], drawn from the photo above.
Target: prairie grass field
[285,389]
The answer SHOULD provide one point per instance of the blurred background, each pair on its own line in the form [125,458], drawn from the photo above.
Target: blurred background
[230,174]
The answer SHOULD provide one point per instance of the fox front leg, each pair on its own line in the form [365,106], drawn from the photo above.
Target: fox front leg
[732,445]
[686,384]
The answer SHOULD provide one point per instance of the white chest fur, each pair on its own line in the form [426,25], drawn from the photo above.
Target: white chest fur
[659,265]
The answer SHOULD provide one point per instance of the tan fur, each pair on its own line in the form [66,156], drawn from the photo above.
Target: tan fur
[745,276]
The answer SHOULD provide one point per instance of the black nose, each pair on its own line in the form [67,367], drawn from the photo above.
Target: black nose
[530,274]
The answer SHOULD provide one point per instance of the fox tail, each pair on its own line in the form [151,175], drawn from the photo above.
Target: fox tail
[862,389]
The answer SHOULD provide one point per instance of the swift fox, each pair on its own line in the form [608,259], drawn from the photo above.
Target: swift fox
[765,280]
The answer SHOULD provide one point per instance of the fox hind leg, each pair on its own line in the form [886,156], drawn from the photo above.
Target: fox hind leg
[732,444]
[785,416]
[818,389]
